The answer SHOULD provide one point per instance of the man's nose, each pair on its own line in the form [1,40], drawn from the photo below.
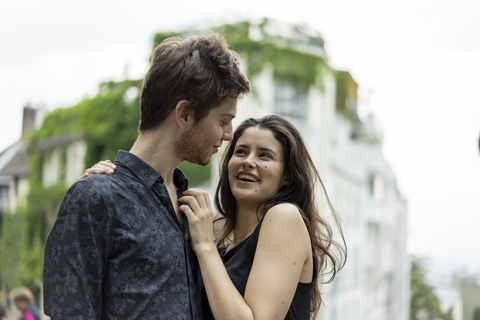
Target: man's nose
[228,133]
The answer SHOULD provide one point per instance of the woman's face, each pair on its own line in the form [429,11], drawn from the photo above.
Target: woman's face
[256,168]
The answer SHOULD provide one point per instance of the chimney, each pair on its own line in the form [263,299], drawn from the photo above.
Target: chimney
[29,115]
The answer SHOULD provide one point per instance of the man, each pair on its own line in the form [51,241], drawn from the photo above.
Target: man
[120,247]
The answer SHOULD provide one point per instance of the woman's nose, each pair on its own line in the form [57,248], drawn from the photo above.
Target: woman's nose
[249,162]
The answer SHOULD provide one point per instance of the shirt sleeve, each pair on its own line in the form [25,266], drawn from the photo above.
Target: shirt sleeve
[76,254]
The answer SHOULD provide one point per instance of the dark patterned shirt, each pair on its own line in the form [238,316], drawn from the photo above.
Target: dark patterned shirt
[117,250]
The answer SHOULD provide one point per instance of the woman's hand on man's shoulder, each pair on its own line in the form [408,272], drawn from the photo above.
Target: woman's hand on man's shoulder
[101,167]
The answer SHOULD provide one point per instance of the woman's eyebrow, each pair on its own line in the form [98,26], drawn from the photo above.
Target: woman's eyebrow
[261,148]
[268,149]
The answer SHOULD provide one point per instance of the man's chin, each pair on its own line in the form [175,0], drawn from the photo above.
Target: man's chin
[200,162]
[205,163]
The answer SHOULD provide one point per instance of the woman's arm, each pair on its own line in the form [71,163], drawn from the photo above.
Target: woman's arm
[282,258]
[282,250]
[223,297]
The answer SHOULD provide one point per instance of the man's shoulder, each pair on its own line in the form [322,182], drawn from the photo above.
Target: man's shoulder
[107,182]
[107,186]
[95,186]
[99,183]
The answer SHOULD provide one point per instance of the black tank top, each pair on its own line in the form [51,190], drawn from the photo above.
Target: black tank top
[238,263]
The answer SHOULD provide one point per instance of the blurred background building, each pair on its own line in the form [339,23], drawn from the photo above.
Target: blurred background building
[295,80]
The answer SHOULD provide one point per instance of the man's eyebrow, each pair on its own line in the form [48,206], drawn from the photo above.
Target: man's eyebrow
[230,115]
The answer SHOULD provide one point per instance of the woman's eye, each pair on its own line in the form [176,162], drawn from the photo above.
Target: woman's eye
[266,155]
[239,151]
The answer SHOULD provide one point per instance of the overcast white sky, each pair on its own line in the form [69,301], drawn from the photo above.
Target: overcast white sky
[420,59]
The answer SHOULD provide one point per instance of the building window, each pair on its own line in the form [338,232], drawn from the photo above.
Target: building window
[3,198]
[290,102]
[376,187]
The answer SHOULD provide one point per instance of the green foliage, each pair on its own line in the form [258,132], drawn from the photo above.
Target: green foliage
[296,68]
[11,237]
[42,207]
[160,36]
[290,65]
[341,85]
[476,314]
[346,90]
[56,123]
[197,175]
[422,295]
[23,236]
[108,120]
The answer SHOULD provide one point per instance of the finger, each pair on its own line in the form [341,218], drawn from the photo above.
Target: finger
[100,168]
[203,201]
[206,196]
[203,198]
[192,201]
[188,213]
[83,176]
[108,163]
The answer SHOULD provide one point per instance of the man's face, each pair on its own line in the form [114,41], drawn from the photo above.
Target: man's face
[198,144]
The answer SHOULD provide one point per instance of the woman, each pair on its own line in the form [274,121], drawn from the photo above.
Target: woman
[273,243]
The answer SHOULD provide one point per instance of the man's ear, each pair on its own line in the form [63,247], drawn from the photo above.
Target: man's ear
[183,116]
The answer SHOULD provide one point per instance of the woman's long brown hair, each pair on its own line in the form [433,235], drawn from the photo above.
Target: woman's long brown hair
[301,176]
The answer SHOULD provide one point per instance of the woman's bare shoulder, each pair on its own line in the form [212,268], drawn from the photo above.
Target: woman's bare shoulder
[287,212]
[284,220]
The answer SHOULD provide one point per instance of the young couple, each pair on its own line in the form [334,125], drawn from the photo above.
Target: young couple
[138,244]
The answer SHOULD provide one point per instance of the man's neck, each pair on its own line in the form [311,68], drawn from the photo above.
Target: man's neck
[157,150]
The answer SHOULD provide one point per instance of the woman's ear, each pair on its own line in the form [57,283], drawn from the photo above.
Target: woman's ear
[183,116]
[284,181]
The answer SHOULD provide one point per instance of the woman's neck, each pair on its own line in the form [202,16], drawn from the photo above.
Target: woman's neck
[246,221]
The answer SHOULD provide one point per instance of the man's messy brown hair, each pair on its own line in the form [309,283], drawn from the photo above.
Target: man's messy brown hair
[199,69]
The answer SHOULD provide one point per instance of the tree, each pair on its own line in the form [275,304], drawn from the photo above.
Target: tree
[424,304]
[476,314]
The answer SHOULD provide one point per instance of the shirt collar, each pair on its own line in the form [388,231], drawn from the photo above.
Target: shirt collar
[146,173]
